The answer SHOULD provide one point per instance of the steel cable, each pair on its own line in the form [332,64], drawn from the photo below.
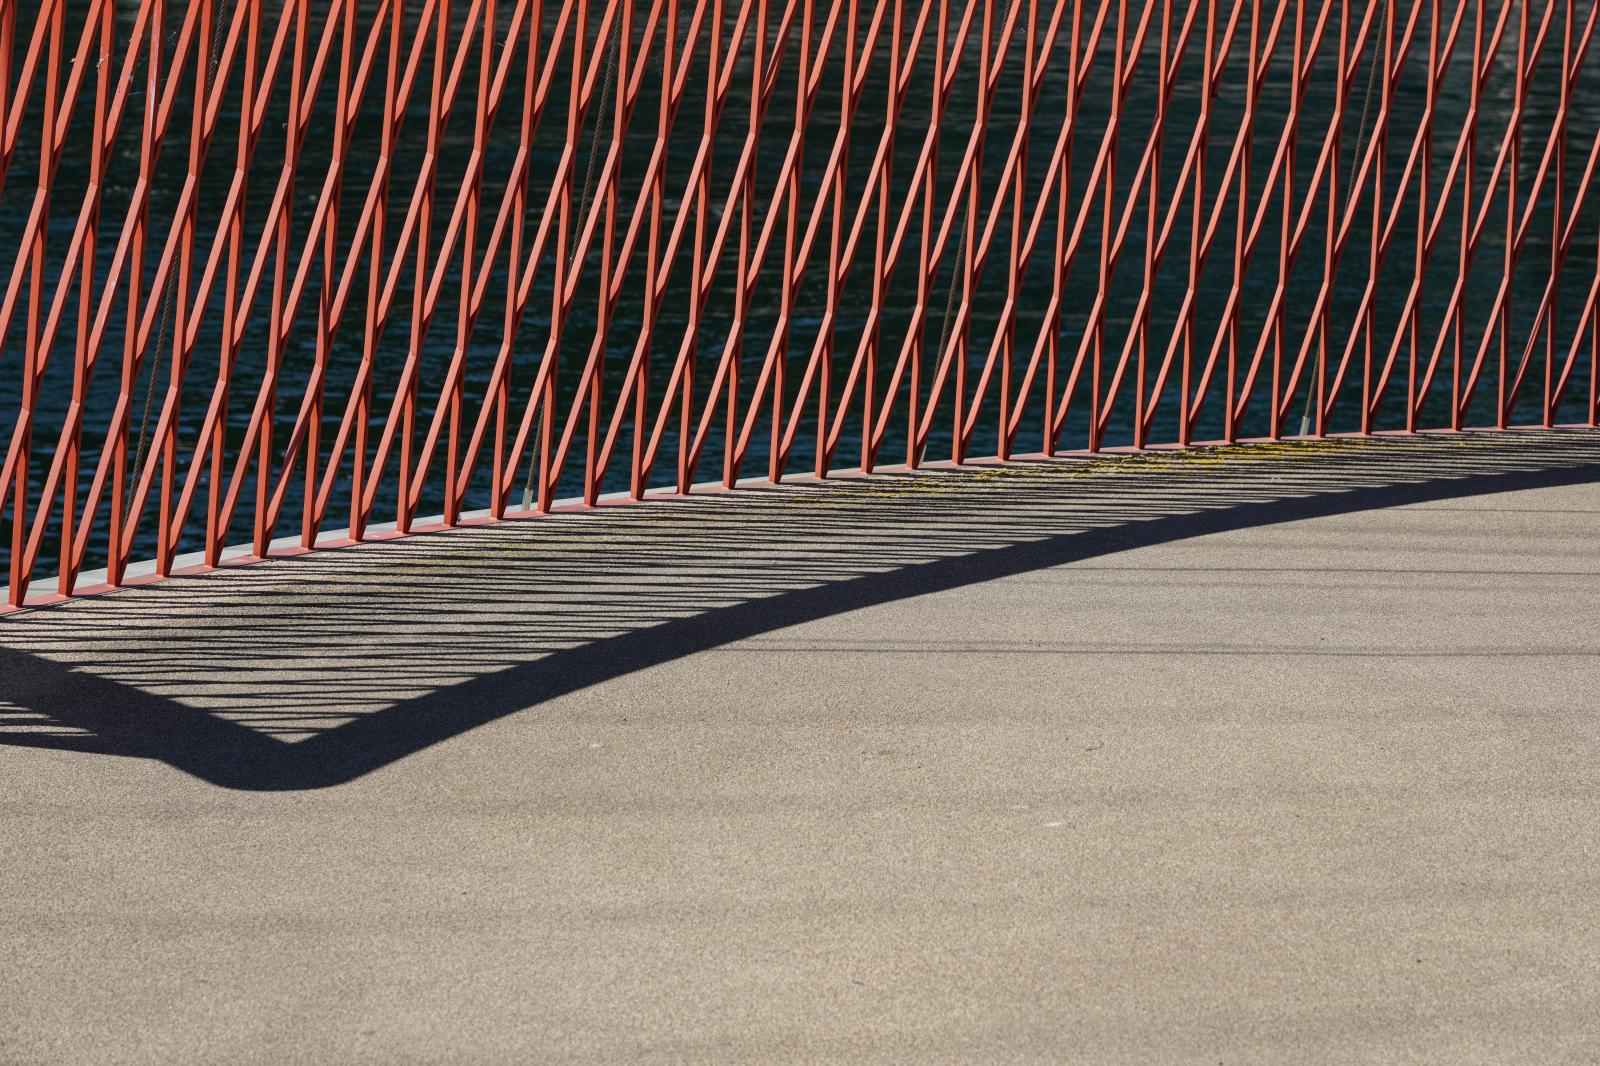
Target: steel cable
[607,87]
[153,356]
[1350,181]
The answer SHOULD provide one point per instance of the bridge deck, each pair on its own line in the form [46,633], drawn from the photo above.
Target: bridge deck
[1268,754]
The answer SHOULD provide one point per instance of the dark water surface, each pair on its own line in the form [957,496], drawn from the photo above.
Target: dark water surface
[856,295]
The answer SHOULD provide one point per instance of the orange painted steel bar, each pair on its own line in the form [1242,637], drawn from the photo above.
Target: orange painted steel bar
[681,238]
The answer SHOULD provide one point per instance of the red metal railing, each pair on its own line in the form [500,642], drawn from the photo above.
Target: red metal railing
[678,237]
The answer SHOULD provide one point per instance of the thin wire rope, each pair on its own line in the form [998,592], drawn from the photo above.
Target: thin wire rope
[607,87]
[1350,180]
[961,250]
[153,357]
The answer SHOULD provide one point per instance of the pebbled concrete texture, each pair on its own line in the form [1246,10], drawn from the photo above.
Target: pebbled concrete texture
[1320,789]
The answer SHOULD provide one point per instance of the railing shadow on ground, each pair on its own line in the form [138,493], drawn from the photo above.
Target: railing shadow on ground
[310,672]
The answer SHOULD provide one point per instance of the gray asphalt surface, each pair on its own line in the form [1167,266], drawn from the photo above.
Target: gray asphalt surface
[1254,756]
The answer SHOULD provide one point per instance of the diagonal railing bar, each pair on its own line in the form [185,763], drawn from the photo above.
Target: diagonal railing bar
[754,247]
[967,178]
[720,80]
[1554,149]
[920,190]
[1344,207]
[554,456]
[1439,64]
[850,226]
[353,424]
[1429,233]
[195,26]
[1036,57]
[660,267]
[1157,239]
[1393,62]
[472,296]
[1522,229]
[1216,65]
[1507,163]
[1291,238]
[798,251]
[1461,166]
[1058,173]
[695,204]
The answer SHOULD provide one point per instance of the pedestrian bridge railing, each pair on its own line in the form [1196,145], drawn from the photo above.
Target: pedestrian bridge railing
[305,267]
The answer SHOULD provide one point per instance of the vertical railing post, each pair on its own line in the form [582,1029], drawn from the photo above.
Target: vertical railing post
[925,263]
[1197,228]
[85,354]
[1464,256]
[372,323]
[969,247]
[1501,322]
[21,445]
[231,311]
[134,354]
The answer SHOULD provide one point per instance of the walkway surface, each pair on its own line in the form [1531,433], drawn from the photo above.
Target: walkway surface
[1259,755]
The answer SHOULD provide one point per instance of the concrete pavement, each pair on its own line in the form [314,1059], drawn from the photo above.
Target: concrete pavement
[1253,756]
